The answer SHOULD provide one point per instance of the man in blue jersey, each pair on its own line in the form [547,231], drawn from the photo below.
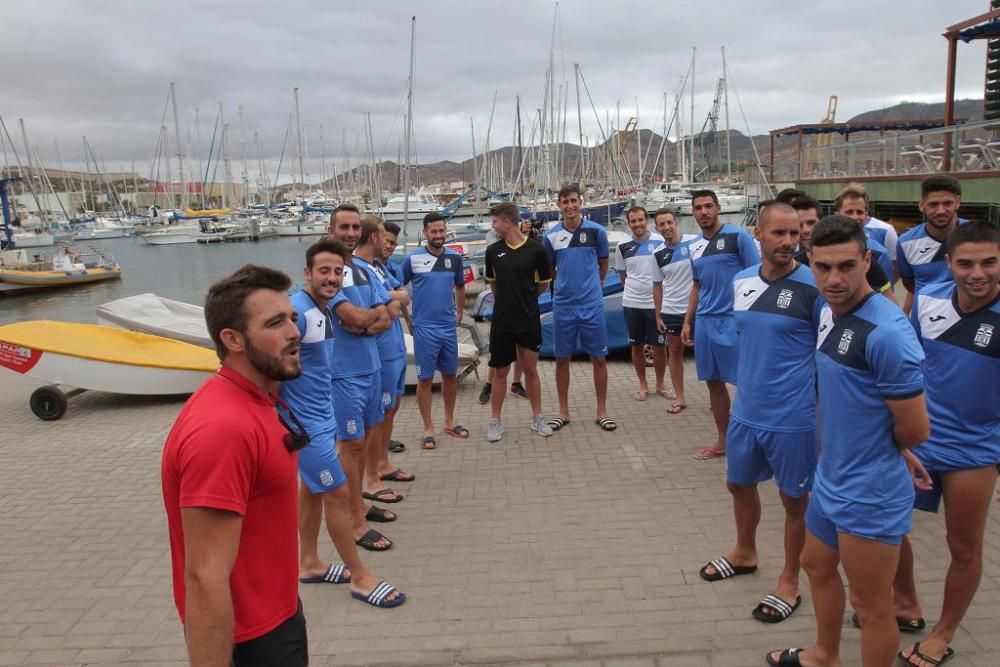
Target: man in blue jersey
[772,432]
[717,256]
[671,291]
[324,489]
[390,241]
[438,305]
[871,407]
[392,357]
[852,201]
[958,324]
[637,269]
[359,314]
[578,254]
[920,251]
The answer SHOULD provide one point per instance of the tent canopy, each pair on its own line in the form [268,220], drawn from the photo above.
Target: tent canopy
[860,126]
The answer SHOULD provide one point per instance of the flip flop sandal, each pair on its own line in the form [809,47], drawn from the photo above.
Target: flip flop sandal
[949,653]
[379,496]
[379,597]
[380,515]
[640,395]
[781,609]
[457,431]
[557,423]
[335,574]
[904,624]
[707,453]
[397,475]
[676,408]
[724,569]
[370,539]
[667,394]
[606,424]
[788,658]
[396,447]
[428,442]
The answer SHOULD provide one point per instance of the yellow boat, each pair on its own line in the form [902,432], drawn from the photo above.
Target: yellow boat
[93,357]
[207,213]
[62,269]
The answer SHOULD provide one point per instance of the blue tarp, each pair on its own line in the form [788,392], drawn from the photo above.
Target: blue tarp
[981,31]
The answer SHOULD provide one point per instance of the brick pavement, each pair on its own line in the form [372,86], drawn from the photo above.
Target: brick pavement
[580,549]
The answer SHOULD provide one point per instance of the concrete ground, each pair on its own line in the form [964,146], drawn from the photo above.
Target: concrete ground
[580,549]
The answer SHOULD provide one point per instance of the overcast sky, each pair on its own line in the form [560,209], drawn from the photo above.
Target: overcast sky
[103,68]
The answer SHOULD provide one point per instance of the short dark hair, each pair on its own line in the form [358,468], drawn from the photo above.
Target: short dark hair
[351,208]
[225,304]
[788,195]
[836,229]
[569,189]
[664,211]
[327,245]
[369,228]
[698,194]
[632,209]
[506,210]
[940,183]
[771,208]
[972,232]
[433,216]
[806,203]
[392,228]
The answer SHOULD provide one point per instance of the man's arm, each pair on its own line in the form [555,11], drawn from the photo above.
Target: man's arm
[658,304]
[459,304]
[911,424]
[355,317]
[211,542]
[382,320]
[689,316]
[602,268]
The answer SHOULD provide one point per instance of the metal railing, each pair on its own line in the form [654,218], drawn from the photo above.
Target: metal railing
[973,147]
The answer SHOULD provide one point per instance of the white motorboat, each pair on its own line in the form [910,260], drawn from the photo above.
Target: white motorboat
[26,238]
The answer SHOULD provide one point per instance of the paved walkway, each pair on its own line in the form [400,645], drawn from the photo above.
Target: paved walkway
[580,549]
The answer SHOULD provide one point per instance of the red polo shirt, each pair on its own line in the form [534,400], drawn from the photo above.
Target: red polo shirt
[226,451]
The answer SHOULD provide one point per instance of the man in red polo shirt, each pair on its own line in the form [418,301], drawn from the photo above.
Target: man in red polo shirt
[230,487]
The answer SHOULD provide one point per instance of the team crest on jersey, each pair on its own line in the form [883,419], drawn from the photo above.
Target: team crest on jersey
[845,341]
[351,426]
[784,299]
[583,237]
[720,244]
[447,263]
[983,335]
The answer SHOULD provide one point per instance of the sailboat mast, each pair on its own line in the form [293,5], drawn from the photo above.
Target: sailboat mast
[298,133]
[408,138]
[177,139]
[729,152]
[244,174]
[694,53]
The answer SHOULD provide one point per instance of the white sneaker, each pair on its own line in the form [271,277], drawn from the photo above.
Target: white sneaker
[495,432]
[541,427]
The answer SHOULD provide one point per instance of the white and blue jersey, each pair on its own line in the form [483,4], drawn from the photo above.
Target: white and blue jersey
[920,257]
[434,278]
[880,255]
[635,259]
[714,264]
[356,354]
[390,343]
[309,394]
[962,371]
[864,358]
[575,256]
[885,234]
[776,322]
[674,263]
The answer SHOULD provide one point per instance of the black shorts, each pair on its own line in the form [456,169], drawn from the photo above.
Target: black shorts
[504,344]
[640,323]
[285,646]
[673,323]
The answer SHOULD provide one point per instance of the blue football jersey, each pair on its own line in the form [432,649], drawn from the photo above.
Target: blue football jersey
[714,264]
[390,343]
[309,394]
[575,256]
[356,354]
[434,278]
[962,374]
[863,358]
[920,257]
[776,323]
[880,255]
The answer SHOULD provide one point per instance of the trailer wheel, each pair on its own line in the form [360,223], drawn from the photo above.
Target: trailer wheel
[48,403]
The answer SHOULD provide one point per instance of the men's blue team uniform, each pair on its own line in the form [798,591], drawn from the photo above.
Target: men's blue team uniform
[435,338]
[578,297]
[862,485]
[309,398]
[714,264]
[357,395]
[920,257]
[963,384]
[391,343]
[879,253]
[773,426]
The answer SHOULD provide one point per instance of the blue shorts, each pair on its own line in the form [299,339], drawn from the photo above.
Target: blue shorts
[855,519]
[716,348]
[319,464]
[930,501]
[754,455]
[393,382]
[579,329]
[357,403]
[435,349]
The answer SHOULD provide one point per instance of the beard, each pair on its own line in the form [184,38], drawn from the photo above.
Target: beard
[271,367]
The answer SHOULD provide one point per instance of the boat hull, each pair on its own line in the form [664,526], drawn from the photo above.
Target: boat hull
[58,278]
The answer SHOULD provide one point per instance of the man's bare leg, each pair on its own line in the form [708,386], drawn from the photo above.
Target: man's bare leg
[904,585]
[377,454]
[449,390]
[352,457]
[310,517]
[660,367]
[562,386]
[424,404]
[499,391]
[675,359]
[385,466]
[967,495]
[528,363]
[795,537]
[639,364]
[746,511]
[870,567]
[718,396]
[600,365]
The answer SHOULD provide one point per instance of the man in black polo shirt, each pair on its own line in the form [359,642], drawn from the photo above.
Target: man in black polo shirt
[518,270]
